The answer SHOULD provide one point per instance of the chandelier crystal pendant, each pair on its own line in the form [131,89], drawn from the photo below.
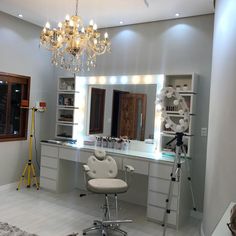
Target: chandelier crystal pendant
[73,46]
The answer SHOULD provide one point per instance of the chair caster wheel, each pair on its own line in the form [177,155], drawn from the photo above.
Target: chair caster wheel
[95,224]
[104,233]
[84,233]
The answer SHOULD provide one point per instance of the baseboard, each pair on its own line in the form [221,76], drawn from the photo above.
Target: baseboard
[197,215]
[202,232]
[8,186]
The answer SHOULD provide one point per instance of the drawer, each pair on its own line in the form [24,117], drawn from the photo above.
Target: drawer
[69,154]
[49,162]
[48,173]
[84,156]
[49,151]
[162,186]
[140,167]
[159,199]
[48,184]
[118,160]
[160,170]
[157,214]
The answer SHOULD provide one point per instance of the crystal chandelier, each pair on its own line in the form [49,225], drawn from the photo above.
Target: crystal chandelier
[73,46]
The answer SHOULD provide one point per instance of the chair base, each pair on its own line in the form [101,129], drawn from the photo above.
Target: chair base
[105,226]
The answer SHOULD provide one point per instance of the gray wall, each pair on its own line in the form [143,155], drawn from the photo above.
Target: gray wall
[20,54]
[175,46]
[221,162]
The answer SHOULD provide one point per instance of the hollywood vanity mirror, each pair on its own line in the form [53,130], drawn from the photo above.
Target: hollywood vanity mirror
[120,105]
[122,110]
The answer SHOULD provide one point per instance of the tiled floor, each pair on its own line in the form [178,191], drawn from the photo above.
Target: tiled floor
[50,214]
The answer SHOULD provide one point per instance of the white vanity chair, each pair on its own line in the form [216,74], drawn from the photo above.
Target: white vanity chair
[100,176]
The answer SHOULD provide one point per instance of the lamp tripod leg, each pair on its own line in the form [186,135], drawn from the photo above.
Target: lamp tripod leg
[187,168]
[29,179]
[22,177]
[34,176]
[170,195]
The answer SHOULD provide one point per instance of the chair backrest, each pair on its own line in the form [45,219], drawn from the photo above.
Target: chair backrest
[102,167]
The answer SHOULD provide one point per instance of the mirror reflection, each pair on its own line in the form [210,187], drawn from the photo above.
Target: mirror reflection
[122,110]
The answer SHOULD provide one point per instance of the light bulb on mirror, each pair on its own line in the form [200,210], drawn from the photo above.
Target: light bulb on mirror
[167,125]
[179,128]
[162,119]
[181,121]
[181,112]
[169,95]
[176,102]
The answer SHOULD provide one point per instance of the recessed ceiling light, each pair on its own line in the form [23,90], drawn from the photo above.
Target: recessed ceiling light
[121,22]
[177,14]
[20,15]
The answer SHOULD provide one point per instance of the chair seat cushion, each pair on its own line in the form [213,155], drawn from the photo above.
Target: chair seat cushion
[107,186]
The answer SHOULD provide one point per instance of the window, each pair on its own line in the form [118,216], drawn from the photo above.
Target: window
[97,110]
[13,119]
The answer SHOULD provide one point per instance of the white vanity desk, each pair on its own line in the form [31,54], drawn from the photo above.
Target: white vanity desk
[60,172]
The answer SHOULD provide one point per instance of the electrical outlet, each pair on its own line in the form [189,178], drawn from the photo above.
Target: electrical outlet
[203,132]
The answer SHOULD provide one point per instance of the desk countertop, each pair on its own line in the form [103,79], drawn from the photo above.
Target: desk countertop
[148,156]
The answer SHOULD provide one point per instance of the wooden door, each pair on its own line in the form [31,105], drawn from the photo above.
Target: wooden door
[132,116]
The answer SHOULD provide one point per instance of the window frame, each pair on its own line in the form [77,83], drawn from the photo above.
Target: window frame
[23,80]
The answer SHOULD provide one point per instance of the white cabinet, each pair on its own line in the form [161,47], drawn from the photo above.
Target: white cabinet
[158,188]
[59,169]
[186,85]
[140,167]
[67,109]
[49,167]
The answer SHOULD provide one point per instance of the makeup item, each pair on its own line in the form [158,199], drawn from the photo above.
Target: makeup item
[185,87]
[178,88]
[98,141]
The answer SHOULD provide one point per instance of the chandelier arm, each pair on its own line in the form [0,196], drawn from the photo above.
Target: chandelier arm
[96,49]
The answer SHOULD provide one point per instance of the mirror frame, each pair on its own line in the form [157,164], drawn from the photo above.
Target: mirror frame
[83,84]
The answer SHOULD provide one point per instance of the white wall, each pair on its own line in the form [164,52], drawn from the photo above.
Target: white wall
[174,46]
[220,187]
[20,54]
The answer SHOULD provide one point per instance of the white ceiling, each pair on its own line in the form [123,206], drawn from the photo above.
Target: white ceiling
[106,13]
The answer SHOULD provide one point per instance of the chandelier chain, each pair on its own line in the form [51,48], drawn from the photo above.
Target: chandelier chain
[76,7]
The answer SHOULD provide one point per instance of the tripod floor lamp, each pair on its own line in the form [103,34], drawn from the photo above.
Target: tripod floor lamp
[179,128]
[28,174]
